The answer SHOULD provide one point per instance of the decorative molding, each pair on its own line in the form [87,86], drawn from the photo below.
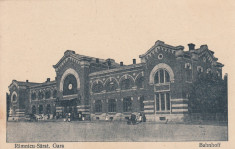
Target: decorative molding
[65,74]
[161,66]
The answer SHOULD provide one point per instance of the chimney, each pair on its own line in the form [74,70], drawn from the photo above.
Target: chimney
[109,63]
[121,63]
[134,61]
[97,60]
[191,46]
[27,81]
[48,80]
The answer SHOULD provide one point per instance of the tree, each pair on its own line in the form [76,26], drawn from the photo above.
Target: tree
[208,95]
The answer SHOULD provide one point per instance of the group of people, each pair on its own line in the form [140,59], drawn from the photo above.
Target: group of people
[136,118]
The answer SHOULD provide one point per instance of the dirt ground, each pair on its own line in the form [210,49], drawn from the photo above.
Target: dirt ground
[113,132]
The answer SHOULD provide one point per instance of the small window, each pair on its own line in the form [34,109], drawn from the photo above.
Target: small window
[14,98]
[48,109]
[111,105]
[33,110]
[40,95]
[127,103]
[162,118]
[33,96]
[41,109]
[48,94]
[98,106]
[160,56]
[54,93]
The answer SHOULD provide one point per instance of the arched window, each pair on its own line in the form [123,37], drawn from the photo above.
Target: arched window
[33,96]
[140,82]
[111,86]
[188,72]
[112,105]
[98,106]
[48,94]
[126,84]
[97,87]
[161,76]
[70,85]
[14,98]
[48,109]
[33,110]
[40,94]
[41,109]
[54,93]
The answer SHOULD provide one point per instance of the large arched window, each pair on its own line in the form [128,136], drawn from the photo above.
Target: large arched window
[161,76]
[111,85]
[97,87]
[126,84]
[70,85]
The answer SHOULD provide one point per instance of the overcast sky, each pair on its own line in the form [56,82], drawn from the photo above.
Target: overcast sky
[35,34]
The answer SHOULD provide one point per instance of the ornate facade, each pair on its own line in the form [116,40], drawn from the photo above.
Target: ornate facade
[103,89]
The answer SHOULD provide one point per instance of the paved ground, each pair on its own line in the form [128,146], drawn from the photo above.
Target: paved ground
[112,131]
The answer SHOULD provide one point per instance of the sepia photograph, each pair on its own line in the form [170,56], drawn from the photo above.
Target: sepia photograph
[74,73]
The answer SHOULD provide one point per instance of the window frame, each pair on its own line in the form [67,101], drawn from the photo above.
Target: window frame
[161,77]
[112,106]
[98,106]
[127,104]
[158,102]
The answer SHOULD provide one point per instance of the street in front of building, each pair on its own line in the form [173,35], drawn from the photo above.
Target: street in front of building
[78,131]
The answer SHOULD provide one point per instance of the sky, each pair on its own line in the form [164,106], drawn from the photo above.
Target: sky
[35,34]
